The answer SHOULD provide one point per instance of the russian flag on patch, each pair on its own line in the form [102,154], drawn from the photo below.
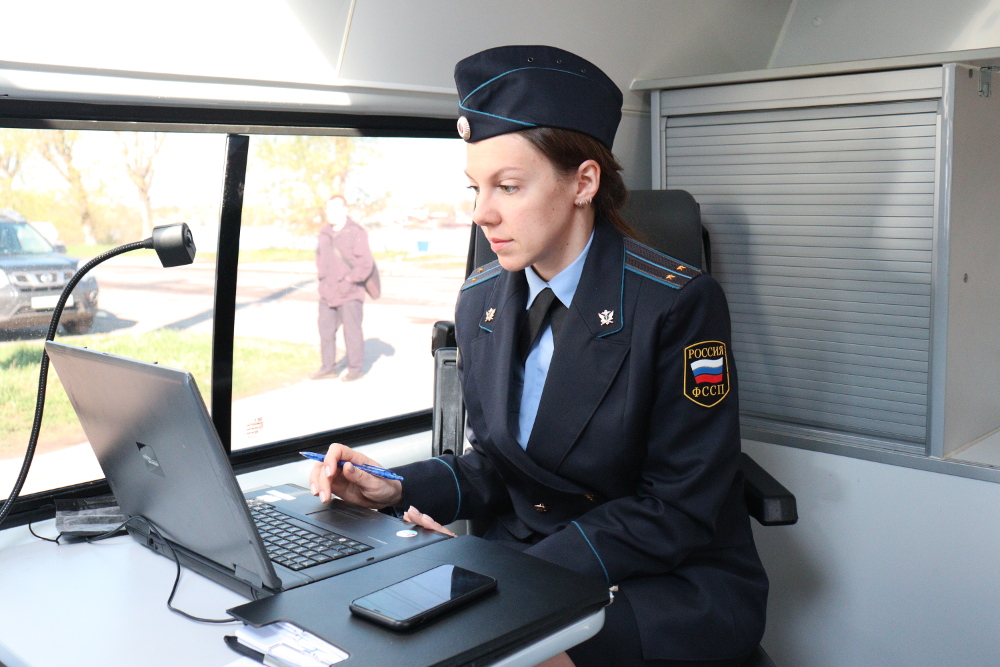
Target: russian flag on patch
[707,370]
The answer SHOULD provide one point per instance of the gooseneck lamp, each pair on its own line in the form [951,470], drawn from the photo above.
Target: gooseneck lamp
[174,245]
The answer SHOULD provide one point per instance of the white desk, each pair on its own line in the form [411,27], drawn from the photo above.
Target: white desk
[105,603]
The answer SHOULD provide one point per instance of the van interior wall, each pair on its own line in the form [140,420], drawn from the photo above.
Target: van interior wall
[829,31]
[886,566]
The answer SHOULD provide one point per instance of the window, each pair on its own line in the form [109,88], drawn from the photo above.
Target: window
[68,194]
[83,192]
[408,204]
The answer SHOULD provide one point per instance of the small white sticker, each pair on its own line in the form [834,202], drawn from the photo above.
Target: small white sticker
[406,533]
[281,494]
[268,498]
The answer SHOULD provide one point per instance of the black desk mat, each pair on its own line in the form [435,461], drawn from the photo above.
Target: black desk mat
[533,599]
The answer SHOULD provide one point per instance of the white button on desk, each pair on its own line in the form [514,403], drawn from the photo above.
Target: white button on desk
[105,604]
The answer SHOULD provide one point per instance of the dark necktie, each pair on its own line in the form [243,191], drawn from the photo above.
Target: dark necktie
[545,308]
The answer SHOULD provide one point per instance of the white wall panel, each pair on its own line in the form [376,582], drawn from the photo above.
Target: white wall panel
[827,31]
[887,565]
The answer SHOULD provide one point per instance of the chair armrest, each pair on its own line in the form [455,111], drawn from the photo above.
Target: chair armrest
[767,500]
[443,335]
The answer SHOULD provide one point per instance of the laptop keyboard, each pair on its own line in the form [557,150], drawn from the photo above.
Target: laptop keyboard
[297,548]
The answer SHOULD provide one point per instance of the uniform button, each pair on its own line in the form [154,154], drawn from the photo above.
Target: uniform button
[541,507]
[590,497]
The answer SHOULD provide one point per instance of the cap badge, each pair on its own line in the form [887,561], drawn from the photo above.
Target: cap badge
[490,313]
[607,317]
[464,129]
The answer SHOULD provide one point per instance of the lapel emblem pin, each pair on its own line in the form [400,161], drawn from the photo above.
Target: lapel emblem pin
[490,313]
[607,317]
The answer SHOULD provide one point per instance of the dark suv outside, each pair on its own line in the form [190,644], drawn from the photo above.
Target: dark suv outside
[33,275]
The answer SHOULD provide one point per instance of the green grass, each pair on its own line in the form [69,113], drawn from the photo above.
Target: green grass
[261,365]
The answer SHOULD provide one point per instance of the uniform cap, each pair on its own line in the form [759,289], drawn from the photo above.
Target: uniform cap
[512,88]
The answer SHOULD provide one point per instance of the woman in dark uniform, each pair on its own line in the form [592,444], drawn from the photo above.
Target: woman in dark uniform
[598,378]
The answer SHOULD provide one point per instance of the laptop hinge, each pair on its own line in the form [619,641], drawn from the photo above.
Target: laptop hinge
[246,575]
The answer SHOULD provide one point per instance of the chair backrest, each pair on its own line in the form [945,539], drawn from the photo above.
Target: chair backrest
[669,221]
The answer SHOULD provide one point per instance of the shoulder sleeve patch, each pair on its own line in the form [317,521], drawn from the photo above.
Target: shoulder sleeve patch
[706,372]
[658,266]
[483,273]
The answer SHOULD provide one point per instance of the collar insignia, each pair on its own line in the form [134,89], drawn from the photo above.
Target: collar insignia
[490,313]
[607,317]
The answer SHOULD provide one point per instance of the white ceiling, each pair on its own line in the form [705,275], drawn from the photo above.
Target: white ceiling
[391,44]
[828,31]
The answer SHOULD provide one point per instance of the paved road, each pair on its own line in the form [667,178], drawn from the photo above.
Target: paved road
[276,301]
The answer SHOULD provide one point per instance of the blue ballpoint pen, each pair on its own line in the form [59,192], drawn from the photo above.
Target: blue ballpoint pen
[371,470]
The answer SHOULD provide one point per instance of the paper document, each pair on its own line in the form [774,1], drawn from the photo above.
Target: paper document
[285,644]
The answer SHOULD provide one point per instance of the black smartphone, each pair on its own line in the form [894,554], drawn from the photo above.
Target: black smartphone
[415,600]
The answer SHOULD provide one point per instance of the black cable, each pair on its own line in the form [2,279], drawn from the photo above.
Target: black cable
[36,426]
[173,555]
[42,537]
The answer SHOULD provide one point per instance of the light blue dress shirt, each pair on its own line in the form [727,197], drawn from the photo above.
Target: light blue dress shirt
[536,368]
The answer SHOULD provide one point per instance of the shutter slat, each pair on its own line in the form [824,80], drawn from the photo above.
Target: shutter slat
[848,146]
[784,189]
[847,395]
[819,180]
[870,112]
[739,270]
[803,321]
[817,209]
[842,337]
[881,357]
[918,166]
[709,200]
[851,422]
[734,240]
[818,157]
[792,293]
[784,303]
[800,127]
[824,231]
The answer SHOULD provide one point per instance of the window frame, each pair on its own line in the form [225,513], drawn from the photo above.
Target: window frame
[238,125]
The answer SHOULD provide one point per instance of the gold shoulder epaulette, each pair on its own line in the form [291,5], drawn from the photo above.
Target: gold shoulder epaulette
[483,273]
[658,266]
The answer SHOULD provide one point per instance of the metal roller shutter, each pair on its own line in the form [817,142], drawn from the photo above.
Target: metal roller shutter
[821,223]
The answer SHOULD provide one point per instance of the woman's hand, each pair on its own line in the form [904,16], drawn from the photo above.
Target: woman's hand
[353,485]
[414,516]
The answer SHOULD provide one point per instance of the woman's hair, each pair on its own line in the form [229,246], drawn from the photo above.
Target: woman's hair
[567,150]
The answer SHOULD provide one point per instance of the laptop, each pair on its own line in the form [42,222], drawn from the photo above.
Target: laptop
[162,456]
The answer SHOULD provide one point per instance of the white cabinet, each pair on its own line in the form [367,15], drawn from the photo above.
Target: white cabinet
[846,212]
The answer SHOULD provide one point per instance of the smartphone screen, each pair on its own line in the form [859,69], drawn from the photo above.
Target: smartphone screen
[412,600]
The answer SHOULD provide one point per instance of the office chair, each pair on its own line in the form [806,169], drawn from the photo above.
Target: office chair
[669,221]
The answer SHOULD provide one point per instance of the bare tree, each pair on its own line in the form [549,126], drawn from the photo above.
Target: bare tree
[57,147]
[140,150]
[15,145]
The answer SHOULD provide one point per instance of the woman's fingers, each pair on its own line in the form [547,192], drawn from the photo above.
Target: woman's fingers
[415,516]
[329,478]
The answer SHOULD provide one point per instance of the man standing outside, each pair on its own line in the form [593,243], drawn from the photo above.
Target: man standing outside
[344,262]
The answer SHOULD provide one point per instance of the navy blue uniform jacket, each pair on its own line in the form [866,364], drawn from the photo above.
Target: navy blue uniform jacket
[627,475]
